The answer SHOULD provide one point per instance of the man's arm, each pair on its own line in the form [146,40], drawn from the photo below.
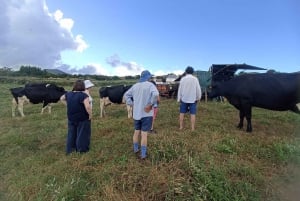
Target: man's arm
[128,97]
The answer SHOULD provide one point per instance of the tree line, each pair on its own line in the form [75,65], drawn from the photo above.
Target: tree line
[34,71]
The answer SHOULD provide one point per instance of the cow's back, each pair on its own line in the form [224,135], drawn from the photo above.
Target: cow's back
[114,93]
[35,94]
[275,91]
[42,92]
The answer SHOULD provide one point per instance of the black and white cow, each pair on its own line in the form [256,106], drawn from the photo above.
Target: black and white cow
[273,91]
[113,94]
[36,93]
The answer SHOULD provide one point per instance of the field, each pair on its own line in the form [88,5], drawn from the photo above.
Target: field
[215,162]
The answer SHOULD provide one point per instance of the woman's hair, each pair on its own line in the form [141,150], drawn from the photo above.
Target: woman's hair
[78,86]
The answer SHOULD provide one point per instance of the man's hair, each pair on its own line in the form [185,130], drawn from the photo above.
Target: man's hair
[189,70]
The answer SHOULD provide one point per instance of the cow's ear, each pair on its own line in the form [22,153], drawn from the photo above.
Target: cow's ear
[215,85]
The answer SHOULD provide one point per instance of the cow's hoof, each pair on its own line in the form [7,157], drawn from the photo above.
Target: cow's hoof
[239,126]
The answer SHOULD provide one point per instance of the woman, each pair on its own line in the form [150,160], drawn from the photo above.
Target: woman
[79,114]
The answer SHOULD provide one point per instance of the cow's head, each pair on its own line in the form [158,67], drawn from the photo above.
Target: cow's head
[55,87]
[215,90]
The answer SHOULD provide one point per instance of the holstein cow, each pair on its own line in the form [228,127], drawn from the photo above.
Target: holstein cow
[113,94]
[273,91]
[36,93]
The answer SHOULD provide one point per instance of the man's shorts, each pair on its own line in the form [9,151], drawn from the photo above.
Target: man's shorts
[188,107]
[144,124]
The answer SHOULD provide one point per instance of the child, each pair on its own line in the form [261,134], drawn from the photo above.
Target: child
[155,111]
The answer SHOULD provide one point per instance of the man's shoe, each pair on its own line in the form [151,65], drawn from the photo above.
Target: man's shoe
[136,152]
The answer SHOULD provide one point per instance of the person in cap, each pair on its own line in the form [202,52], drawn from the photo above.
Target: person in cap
[142,96]
[189,93]
[88,85]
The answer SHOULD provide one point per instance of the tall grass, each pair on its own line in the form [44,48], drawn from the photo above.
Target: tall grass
[215,162]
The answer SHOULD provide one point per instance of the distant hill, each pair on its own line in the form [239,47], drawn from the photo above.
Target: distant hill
[56,72]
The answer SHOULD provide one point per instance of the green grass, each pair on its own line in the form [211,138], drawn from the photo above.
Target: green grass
[215,162]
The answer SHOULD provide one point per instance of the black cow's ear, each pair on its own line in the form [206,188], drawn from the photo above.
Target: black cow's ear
[215,85]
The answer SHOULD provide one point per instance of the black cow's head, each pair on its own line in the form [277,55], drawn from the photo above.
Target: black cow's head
[55,87]
[54,92]
[215,90]
[127,87]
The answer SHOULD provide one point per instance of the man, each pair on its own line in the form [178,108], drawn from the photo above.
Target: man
[189,92]
[142,96]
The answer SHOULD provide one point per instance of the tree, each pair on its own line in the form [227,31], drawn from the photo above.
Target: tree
[32,71]
[6,71]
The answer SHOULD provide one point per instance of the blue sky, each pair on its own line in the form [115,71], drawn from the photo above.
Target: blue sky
[124,37]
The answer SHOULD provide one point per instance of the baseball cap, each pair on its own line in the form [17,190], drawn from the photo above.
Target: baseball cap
[145,75]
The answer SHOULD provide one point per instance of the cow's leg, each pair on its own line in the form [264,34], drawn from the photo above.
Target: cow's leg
[20,106]
[248,114]
[49,108]
[45,105]
[296,108]
[241,123]
[249,124]
[101,107]
[129,111]
[13,107]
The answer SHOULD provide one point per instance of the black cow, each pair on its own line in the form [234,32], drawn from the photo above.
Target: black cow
[273,91]
[36,93]
[113,94]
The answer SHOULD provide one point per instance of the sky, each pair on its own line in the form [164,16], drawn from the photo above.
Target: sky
[125,37]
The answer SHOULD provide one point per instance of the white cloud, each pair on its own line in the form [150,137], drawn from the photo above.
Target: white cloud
[162,72]
[124,71]
[99,69]
[89,69]
[121,68]
[81,44]
[31,35]
[178,72]
[66,23]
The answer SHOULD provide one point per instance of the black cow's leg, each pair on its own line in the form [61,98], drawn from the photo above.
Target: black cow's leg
[45,104]
[296,109]
[242,115]
[248,118]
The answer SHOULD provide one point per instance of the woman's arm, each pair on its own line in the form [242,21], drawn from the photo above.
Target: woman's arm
[63,99]
[87,106]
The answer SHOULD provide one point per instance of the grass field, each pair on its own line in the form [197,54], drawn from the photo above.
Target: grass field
[216,162]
